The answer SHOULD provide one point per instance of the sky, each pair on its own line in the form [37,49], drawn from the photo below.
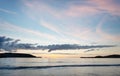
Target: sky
[47,22]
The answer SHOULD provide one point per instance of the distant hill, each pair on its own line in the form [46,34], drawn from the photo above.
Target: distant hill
[20,55]
[108,56]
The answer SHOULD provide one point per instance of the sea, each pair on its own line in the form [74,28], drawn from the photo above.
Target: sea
[59,66]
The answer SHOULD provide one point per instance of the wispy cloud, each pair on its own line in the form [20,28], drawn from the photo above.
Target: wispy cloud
[105,35]
[36,10]
[79,32]
[78,11]
[108,6]
[7,26]
[62,30]
[50,26]
[7,11]
[76,8]
[38,7]
[93,7]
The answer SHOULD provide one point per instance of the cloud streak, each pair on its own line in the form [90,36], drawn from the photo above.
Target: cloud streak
[76,8]
[4,25]
[103,34]
[9,44]
[50,27]
[7,11]
[108,6]
[93,7]
[75,46]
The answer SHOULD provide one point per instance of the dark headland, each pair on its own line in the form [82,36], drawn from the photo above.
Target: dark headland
[16,55]
[108,56]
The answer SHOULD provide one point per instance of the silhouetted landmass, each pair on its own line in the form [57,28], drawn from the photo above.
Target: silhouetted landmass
[20,55]
[108,56]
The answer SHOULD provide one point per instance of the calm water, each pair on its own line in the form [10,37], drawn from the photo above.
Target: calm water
[59,67]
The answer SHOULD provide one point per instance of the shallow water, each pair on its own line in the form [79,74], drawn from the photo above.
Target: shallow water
[59,67]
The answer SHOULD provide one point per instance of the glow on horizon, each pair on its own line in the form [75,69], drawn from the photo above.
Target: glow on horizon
[70,53]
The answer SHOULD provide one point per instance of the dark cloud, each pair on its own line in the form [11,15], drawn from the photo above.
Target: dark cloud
[26,46]
[89,50]
[9,44]
[75,46]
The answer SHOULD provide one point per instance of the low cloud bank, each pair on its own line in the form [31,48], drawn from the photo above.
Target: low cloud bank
[9,44]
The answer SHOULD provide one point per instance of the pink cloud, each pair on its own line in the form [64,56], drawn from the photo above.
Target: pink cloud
[76,11]
[108,5]
[93,7]
[90,7]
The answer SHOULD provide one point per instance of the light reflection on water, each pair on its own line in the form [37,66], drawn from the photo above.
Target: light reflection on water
[59,71]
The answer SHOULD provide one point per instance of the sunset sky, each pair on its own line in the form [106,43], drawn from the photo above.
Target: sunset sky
[47,22]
